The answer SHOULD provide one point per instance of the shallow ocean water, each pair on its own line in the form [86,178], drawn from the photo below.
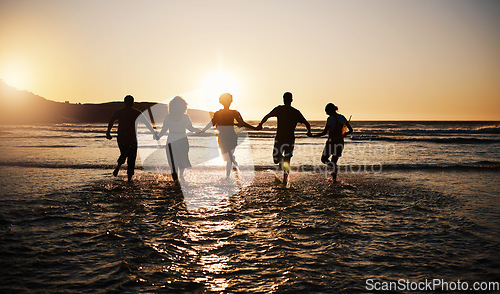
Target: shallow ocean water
[116,237]
[68,226]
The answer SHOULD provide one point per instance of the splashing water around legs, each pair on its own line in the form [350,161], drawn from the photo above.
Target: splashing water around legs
[286,171]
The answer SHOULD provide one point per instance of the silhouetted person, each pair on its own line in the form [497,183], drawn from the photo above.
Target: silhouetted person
[127,117]
[224,120]
[176,123]
[288,117]
[335,127]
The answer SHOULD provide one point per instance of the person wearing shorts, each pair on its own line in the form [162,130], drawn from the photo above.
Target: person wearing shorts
[128,118]
[335,143]
[288,117]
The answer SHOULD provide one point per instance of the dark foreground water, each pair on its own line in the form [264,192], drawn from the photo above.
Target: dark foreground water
[110,236]
[420,200]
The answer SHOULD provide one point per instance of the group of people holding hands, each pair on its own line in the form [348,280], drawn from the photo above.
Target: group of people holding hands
[177,123]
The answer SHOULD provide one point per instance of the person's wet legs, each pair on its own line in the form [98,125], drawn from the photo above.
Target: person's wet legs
[131,157]
[229,162]
[335,167]
[325,158]
[277,153]
[287,153]
[181,174]
[123,157]
[286,169]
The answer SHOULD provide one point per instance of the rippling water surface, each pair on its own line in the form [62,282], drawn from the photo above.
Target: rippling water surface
[67,226]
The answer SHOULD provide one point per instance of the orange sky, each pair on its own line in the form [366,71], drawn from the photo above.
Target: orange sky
[386,60]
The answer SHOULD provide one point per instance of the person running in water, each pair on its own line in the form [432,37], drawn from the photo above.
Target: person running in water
[335,127]
[224,120]
[176,123]
[128,117]
[288,117]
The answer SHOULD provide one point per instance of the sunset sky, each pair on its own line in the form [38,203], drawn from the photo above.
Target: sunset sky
[383,60]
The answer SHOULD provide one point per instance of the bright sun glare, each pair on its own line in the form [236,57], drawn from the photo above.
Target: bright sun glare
[218,83]
[14,79]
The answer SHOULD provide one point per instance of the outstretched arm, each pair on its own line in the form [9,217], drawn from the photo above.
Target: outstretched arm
[208,126]
[241,122]
[325,131]
[190,127]
[303,120]
[269,115]
[146,122]
[110,126]
[349,129]
[308,126]
[148,125]
[164,128]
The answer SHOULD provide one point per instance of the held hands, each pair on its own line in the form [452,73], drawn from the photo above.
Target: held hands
[156,137]
[108,136]
[259,127]
[309,134]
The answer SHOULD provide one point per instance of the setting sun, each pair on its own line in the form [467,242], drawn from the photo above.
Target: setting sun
[217,83]
[14,77]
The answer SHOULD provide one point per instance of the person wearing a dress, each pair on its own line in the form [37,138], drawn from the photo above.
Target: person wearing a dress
[224,120]
[176,123]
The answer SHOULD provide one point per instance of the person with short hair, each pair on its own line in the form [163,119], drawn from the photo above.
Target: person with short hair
[128,118]
[288,117]
[336,125]
[224,120]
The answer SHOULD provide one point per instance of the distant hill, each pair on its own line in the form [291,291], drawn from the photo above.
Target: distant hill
[23,107]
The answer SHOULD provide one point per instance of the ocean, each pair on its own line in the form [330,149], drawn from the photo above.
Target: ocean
[417,201]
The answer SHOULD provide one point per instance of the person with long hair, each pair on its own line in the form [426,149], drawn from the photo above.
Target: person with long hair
[176,123]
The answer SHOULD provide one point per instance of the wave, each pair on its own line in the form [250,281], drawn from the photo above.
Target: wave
[422,131]
[50,146]
[58,137]
[450,140]
[442,167]
[57,165]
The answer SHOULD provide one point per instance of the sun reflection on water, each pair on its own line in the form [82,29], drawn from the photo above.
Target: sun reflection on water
[212,264]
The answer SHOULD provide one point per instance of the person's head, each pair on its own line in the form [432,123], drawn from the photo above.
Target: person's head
[226,99]
[287,98]
[177,105]
[129,101]
[330,108]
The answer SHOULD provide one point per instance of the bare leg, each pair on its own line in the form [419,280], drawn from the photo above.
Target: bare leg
[286,170]
[181,174]
[229,166]
[335,168]
[229,163]
[121,160]
[117,169]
